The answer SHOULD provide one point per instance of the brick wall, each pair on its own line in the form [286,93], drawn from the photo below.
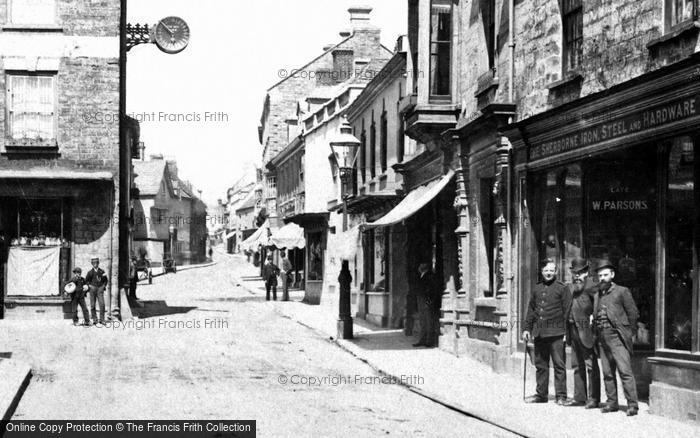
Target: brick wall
[365,43]
[615,38]
[85,49]
[81,17]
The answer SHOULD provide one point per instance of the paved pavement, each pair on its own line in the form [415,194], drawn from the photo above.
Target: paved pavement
[205,348]
[468,385]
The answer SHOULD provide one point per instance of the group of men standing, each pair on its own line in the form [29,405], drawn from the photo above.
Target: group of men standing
[598,321]
[270,272]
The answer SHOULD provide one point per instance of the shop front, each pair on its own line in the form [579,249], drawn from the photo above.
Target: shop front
[612,176]
[47,228]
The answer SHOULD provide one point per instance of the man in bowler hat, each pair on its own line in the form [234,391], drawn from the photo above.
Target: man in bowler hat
[97,282]
[545,322]
[579,335]
[616,318]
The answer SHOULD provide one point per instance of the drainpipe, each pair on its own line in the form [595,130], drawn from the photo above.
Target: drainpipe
[510,277]
[511,45]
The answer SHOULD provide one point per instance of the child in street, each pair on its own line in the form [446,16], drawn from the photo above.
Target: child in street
[78,298]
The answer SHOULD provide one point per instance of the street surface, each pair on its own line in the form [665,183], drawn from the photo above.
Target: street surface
[208,349]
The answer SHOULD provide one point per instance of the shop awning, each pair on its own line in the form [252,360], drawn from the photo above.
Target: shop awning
[289,236]
[414,201]
[56,174]
[260,237]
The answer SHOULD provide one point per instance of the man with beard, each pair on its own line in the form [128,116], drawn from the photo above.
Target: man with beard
[579,334]
[616,318]
[545,322]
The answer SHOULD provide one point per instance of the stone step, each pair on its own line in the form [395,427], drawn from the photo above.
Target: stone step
[23,308]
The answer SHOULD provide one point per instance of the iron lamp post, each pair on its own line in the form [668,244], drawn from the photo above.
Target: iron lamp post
[345,148]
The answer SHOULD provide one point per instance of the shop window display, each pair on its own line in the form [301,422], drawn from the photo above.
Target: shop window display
[603,208]
[680,209]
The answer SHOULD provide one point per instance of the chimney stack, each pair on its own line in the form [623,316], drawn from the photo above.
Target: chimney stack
[156,157]
[359,16]
[343,63]
[172,168]
[142,149]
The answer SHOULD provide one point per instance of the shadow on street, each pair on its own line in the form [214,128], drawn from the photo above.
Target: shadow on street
[152,309]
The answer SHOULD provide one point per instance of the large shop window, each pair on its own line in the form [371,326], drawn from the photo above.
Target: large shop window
[440,47]
[315,254]
[559,199]
[603,209]
[680,254]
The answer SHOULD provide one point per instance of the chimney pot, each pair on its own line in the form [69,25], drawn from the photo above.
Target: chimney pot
[345,33]
[327,47]
[156,156]
[359,18]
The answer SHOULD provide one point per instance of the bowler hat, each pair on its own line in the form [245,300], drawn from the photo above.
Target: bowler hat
[578,264]
[605,264]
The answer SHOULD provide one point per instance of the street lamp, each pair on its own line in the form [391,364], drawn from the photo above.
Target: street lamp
[171,230]
[345,147]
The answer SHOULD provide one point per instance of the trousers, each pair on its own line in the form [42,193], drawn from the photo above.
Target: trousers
[97,293]
[271,285]
[545,349]
[428,323]
[79,299]
[285,286]
[586,370]
[615,357]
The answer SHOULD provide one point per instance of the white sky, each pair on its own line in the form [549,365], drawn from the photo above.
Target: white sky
[237,48]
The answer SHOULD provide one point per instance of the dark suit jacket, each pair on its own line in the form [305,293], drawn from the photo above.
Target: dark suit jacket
[580,311]
[79,283]
[622,312]
[547,310]
[427,289]
[269,273]
[96,279]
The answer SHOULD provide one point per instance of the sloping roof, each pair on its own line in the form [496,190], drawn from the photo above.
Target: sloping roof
[149,176]
[248,202]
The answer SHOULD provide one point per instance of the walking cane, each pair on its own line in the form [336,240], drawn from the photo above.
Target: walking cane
[525,368]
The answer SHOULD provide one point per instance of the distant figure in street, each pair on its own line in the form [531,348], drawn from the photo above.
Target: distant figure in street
[579,334]
[428,300]
[269,274]
[616,319]
[133,279]
[286,275]
[211,253]
[78,297]
[97,282]
[545,321]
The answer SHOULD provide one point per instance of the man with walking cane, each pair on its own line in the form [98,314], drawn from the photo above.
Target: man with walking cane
[545,322]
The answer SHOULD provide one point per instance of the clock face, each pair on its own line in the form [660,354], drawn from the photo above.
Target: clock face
[172,35]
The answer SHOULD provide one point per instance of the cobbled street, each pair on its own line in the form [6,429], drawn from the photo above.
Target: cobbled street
[208,349]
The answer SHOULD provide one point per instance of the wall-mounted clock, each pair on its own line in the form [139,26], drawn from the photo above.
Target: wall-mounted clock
[171,35]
